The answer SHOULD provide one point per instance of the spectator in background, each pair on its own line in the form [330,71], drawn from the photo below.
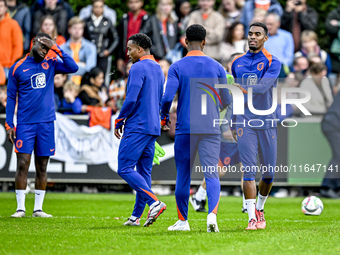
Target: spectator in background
[300,64]
[70,103]
[57,11]
[259,15]
[21,13]
[48,26]
[92,91]
[2,76]
[59,81]
[280,42]
[235,42]
[38,4]
[131,23]
[333,29]
[3,98]
[83,51]
[100,31]
[297,17]
[165,65]
[231,12]
[11,43]
[300,70]
[309,46]
[213,22]
[108,13]
[117,89]
[318,85]
[182,10]
[330,128]
[164,32]
[249,7]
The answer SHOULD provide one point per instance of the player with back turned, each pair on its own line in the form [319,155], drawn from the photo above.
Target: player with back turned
[140,117]
[31,79]
[194,77]
[259,70]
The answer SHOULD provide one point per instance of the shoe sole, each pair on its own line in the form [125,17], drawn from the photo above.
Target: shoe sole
[178,229]
[261,227]
[213,228]
[193,205]
[17,216]
[131,225]
[36,216]
[150,221]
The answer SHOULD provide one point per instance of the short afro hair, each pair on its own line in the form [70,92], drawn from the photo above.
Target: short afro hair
[259,24]
[42,35]
[196,33]
[142,40]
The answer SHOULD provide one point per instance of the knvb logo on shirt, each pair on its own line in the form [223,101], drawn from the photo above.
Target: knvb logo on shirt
[249,78]
[38,81]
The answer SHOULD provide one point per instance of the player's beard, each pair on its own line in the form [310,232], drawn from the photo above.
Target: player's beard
[37,56]
[253,48]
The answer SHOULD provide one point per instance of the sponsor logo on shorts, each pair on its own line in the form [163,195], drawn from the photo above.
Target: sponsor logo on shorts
[19,144]
[226,161]
[240,132]
[51,150]
[25,70]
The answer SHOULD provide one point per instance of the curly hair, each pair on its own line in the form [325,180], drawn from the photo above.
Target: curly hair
[196,33]
[142,40]
[259,24]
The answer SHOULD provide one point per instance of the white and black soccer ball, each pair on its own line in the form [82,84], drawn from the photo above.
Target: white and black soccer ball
[312,206]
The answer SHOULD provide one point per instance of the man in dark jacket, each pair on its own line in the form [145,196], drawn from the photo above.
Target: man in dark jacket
[100,31]
[21,13]
[330,128]
[131,23]
[297,17]
[59,13]
[163,40]
[333,28]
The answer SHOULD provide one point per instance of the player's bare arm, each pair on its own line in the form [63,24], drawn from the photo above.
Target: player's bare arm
[11,135]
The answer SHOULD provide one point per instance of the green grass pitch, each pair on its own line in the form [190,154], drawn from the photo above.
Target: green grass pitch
[92,224]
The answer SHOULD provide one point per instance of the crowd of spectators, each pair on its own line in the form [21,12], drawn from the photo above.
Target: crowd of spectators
[97,39]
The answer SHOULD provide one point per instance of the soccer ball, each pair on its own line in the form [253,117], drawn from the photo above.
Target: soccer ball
[312,206]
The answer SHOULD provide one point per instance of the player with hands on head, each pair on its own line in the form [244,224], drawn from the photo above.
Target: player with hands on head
[31,83]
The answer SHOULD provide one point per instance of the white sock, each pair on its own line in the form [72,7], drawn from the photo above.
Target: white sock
[154,204]
[20,194]
[201,194]
[244,202]
[133,218]
[39,199]
[260,201]
[250,203]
